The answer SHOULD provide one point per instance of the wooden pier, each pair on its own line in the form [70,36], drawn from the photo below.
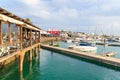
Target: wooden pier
[95,57]
[17,37]
[109,44]
[108,54]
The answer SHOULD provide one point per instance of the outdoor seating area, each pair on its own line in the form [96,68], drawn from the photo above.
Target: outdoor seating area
[12,35]
[4,50]
[8,49]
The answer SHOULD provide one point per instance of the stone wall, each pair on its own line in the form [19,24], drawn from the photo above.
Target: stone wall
[49,39]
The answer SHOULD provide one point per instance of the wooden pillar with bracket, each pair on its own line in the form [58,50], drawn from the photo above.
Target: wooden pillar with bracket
[21,30]
[30,45]
[30,56]
[36,50]
[21,57]
[30,37]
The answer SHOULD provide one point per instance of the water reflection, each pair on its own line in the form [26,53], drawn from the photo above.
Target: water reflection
[10,71]
[51,52]
[29,67]
[21,76]
[89,61]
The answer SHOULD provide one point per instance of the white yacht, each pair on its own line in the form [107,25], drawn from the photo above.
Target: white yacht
[84,47]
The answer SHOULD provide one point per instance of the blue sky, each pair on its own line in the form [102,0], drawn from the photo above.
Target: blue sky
[101,16]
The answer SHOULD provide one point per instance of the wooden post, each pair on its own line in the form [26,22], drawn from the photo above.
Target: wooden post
[0,32]
[36,50]
[30,68]
[37,55]
[9,32]
[21,58]
[21,76]
[39,37]
[30,57]
[26,33]
[31,45]
[30,37]
[15,30]
[21,37]
[35,36]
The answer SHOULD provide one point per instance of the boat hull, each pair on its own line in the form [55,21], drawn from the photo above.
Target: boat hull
[85,48]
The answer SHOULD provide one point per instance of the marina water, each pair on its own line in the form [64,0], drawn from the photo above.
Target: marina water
[57,66]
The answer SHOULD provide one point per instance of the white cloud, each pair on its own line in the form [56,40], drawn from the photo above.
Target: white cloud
[60,3]
[66,13]
[72,12]
[30,2]
[105,7]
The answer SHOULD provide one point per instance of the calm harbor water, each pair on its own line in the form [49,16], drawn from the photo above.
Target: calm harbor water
[101,48]
[56,66]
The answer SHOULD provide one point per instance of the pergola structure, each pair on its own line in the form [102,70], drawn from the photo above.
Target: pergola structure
[17,36]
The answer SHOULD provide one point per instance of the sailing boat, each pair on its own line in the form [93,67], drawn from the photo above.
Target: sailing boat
[85,47]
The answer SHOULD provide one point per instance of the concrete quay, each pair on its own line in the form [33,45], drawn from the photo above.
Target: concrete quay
[107,60]
[109,44]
